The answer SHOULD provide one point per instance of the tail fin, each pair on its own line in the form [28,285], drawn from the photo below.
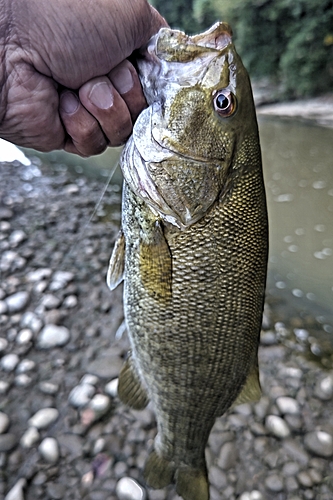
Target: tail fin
[191,484]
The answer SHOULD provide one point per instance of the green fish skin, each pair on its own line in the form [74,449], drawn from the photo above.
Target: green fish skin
[192,250]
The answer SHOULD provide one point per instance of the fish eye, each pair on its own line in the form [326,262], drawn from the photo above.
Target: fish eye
[224,103]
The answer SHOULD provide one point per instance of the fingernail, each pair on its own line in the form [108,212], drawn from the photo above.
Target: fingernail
[101,95]
[122,79]
[69,102]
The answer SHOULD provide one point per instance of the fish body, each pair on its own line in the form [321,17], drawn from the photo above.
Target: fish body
[192,249]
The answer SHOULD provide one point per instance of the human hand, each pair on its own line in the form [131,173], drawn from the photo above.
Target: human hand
[64,75]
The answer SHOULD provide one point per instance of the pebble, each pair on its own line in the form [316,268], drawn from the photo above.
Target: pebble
[324,388]
[228,456]
[53,336]
[17,492]
[3,307]
[17,301]
[274,483]
[111,388]
[43,418]
[49,450]
[287,405]
[3,344]
[129,489]
[319,443]
[23,380]
[106,366]
[26,365]
[9,362]
[16,237]
[48,388]
[277,426]
[60,280]
[81,394]
[39,274]
[4,386]
[4,422]
[251,495]
[32,321]
[89,379]
[70,301]
[24,336]
[30,437]
[50,301]
[100,404]
[7,442]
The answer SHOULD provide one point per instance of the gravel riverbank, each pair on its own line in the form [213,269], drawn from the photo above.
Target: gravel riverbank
[63,432]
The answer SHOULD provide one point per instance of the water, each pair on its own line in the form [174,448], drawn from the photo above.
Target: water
[298,170]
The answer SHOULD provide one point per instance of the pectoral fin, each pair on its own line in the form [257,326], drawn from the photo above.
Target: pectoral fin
[156,264]
[251,391]
[115,272]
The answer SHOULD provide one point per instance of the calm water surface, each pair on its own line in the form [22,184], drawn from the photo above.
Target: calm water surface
[298,170]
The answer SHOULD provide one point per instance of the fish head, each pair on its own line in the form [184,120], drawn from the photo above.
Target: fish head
[200,109]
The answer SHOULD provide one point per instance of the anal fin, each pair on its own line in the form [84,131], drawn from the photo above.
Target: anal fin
[158,471]
[251,391]
[130,389]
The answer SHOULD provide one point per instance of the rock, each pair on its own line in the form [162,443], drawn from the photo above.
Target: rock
[39,274]
[277,426]
[128,489]
[49,450]
[81,394]
[274,483]
[26,365]
[251,495]
[89,379]
[320,443]
[48,388]
[17,492]
[30,437]
[70,301]
[290,469]
[7,442]
[16,237]
[4,422]
[50,301]
[324,388]
[228,456]
[106,366]
[100,404]
[32,321]
[3,344]
[16,302]
[3,307]
[53,336]
[56,491]
[24,336]
[6,213]
[295,451]
[111,388]
[23,380]
[287,405]
[60,280]
[9,362]
[305,479]
[4,386]
[43,418]
[217,477]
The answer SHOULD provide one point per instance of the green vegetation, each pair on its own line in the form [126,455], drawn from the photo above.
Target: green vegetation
[289,41]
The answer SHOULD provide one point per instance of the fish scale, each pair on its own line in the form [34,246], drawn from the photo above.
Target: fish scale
[194,263]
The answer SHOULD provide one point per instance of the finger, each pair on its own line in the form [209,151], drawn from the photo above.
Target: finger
[103,101]
[126,81]
[85,135]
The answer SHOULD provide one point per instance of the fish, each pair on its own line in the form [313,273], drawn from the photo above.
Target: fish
[192,249]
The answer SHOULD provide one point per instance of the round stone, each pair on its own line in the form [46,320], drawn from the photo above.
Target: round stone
[274,483]
[24,336]
[277,426]
[17,492]
[320,443]
[30,437]
[228,456]
[81,394]
[129,489]
[26,365]
[16,237]
[9,362]
[49,450]
[3,344]
[53,336]
[111,388]
[287,405]
[50,301]
[100,403]
[70,301]
[7,442]
[23,380]
[4,422]
[43,418]
[32,321]
[17,301]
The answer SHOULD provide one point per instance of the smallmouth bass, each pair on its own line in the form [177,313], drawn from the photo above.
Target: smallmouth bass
[192,249]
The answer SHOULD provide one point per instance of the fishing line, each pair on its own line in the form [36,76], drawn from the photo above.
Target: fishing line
[97,205]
